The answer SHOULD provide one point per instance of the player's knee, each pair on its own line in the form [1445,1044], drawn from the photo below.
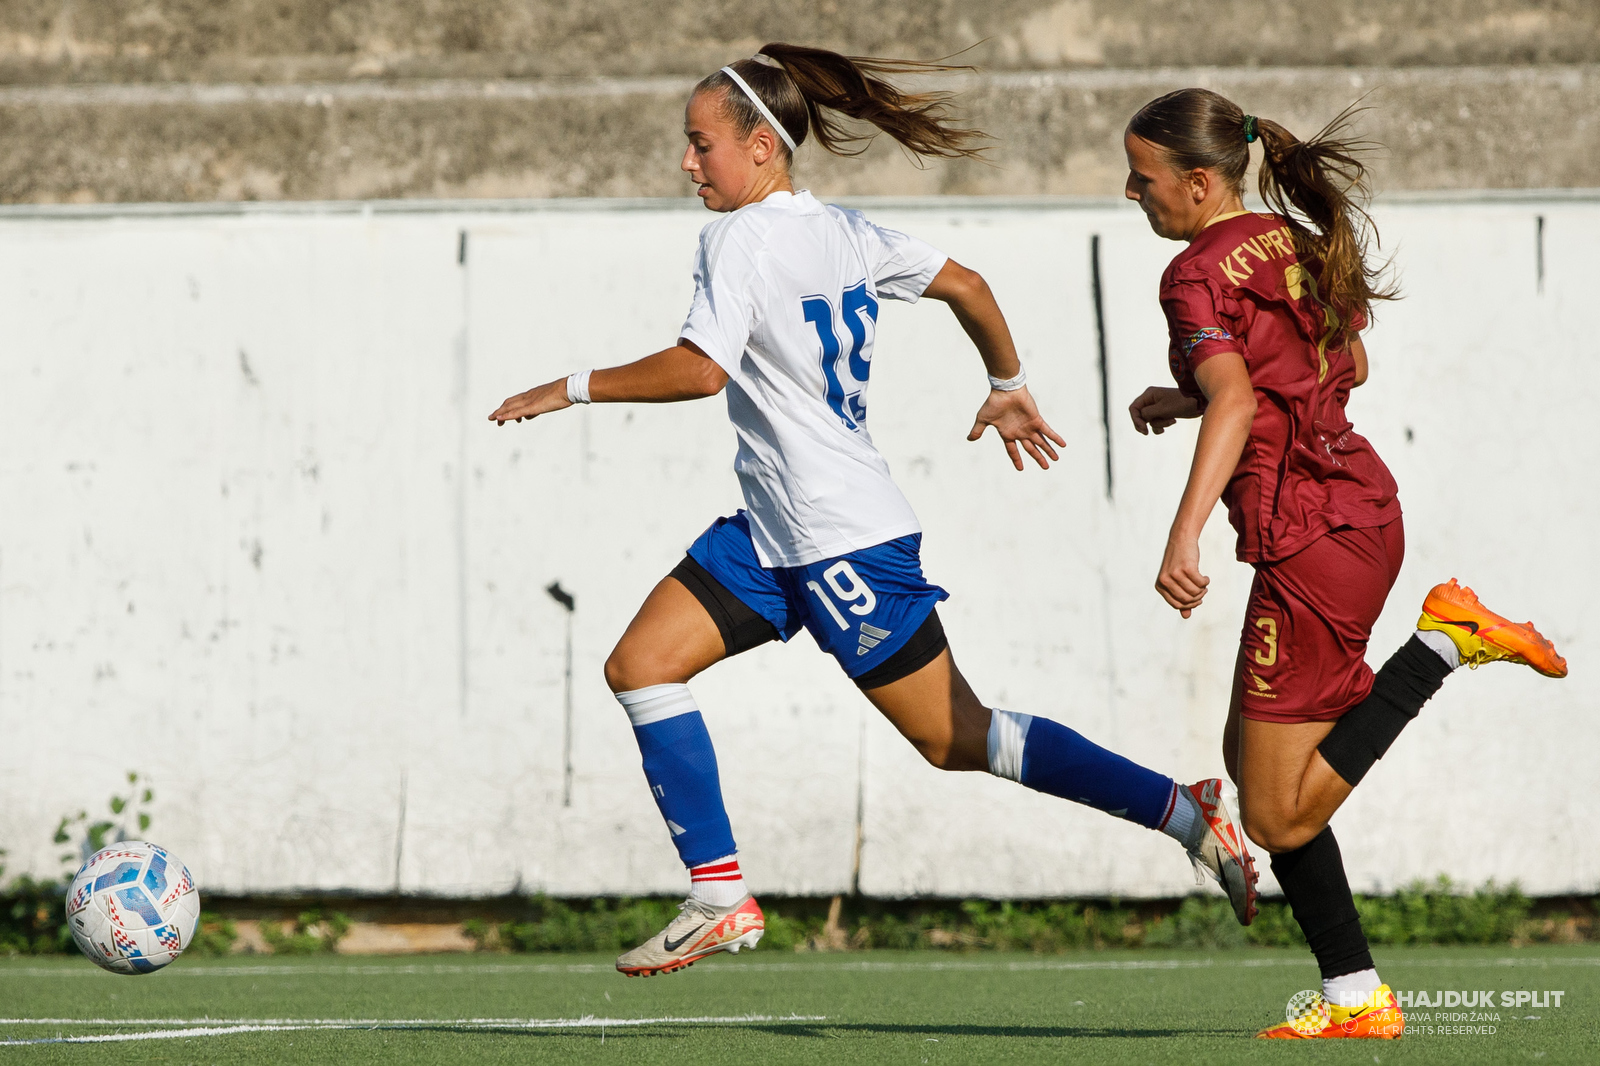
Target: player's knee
[616,670]
[1262,834]
[632,665]
[938,753]
[1297,835]
[626,669]
[1258,827]
[948,753]
[1277,835]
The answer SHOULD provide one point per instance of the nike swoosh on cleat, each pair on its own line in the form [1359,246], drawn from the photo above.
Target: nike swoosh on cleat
[1470,627]
[670,946]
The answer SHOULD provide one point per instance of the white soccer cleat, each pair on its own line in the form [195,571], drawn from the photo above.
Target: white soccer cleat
[1221,850]
[699,930]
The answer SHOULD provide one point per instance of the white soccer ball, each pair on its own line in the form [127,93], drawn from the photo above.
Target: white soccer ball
[132,907]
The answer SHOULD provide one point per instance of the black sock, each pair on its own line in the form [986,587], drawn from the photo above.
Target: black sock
[1407,681]
[1313,880]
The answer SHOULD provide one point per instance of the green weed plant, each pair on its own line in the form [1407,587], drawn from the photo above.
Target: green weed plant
[1421,913]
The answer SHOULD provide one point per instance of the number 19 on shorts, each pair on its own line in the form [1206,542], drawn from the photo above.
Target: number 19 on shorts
[848,588]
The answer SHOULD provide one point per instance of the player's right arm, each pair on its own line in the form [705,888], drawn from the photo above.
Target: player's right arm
[682,372]
[721,317]
[1161,406]
[1224,430]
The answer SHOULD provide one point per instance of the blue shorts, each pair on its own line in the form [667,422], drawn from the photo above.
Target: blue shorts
[861,607]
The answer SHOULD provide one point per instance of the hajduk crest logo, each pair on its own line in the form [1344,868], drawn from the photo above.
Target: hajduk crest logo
[1309,1012]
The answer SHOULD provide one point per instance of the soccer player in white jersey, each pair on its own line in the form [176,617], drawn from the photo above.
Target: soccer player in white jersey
[783,320]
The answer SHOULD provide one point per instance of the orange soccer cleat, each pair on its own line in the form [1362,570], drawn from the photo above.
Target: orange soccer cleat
[1483,636]
[1311,1017]
[1376,1018]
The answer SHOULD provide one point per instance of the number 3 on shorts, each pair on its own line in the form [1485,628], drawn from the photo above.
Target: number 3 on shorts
[1269,635]
[858,597]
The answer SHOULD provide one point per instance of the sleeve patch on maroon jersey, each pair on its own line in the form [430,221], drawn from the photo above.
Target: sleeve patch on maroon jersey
[1210,333]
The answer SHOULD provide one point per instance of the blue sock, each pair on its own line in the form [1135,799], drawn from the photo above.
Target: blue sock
[681,768]
[1048,757]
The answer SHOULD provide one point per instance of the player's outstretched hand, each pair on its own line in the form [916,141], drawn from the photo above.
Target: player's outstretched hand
[1180,582]
[533,403]
[1016,418]
[1158,407]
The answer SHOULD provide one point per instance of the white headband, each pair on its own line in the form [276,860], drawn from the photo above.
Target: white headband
[761,107]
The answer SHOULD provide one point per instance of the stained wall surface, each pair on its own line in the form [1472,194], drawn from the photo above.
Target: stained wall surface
[260,543]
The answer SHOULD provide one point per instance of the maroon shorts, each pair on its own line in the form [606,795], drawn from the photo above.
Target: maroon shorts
[1307,623]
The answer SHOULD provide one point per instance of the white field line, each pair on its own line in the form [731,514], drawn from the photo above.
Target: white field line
[222,1027]
[1129,964]
[163,1034]
[861,966]
[586,1021]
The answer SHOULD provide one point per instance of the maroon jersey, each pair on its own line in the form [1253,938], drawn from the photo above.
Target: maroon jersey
[1240,287]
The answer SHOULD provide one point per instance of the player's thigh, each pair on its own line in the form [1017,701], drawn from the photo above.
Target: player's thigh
[1273,760]
[938,712]
[876,614]
[670,640]
[716,603]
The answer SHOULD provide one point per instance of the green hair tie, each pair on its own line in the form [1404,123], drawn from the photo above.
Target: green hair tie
[1249,128]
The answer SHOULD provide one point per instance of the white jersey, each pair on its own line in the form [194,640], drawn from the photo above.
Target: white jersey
[786,301]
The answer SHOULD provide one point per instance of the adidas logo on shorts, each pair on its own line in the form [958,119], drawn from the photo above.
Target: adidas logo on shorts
[871,637]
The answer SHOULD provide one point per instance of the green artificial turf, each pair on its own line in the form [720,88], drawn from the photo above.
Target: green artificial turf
[778,1007]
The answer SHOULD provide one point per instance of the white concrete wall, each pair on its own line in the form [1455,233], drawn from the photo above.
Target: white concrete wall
[258,541]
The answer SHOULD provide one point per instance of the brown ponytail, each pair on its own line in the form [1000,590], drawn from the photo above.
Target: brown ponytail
[1318,185]
[801,82]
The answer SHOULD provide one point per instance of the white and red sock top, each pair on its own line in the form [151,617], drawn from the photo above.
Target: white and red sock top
[719,882]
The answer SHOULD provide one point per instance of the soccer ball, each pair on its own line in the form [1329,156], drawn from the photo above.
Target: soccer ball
[132,907]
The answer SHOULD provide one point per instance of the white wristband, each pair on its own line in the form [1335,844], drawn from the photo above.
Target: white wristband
[1009,384]
[578,386]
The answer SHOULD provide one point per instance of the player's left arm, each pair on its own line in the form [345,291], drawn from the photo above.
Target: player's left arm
[682,372]
[1224,430]
[1012,413]
[1358,352]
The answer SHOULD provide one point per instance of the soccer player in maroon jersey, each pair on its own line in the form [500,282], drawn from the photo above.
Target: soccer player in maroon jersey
[1264,313]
